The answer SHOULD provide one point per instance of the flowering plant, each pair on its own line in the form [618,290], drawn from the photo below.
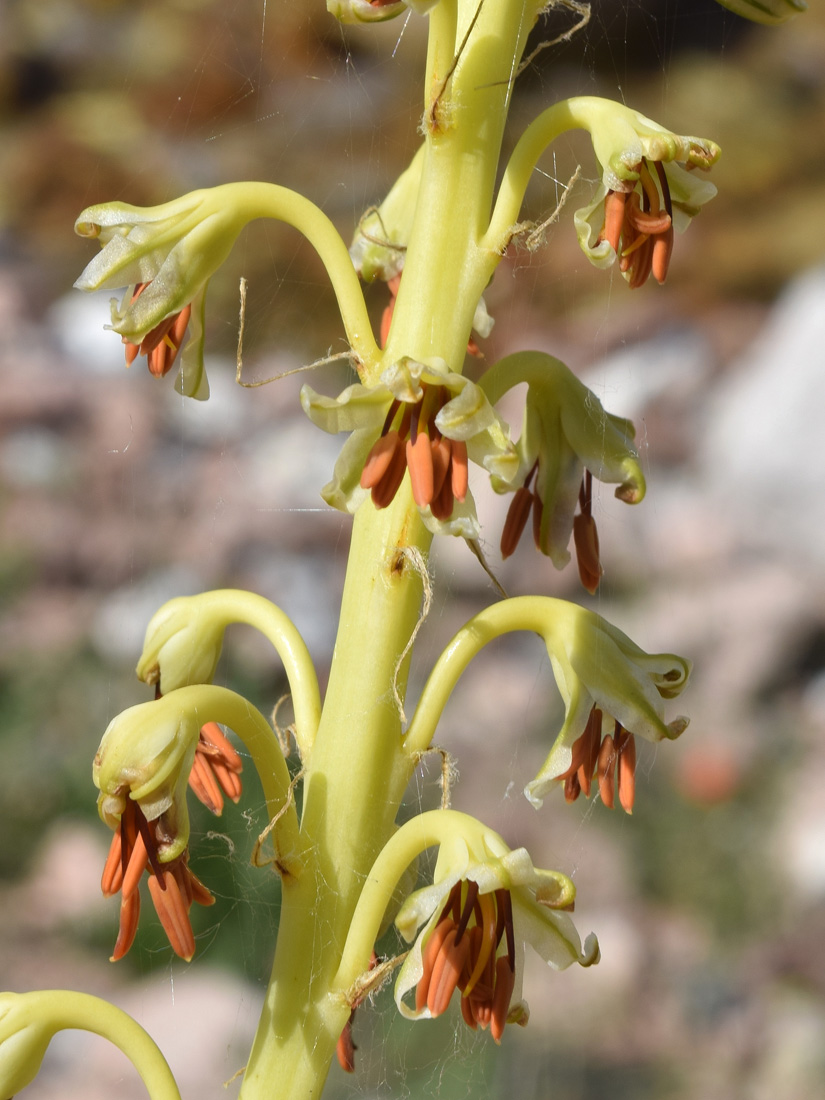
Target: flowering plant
[349,868]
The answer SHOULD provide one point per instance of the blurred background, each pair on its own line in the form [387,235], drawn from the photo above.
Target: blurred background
[116,495]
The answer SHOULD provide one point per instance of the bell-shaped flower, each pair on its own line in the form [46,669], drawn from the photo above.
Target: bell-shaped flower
[607,683]
[25,1034]
[644,193]
[375,11]
[470,928]
[769,12]
[165,256]
[567,439]
[420,418]
[147,757]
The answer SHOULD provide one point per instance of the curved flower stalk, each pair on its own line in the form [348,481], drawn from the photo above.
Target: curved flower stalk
[166,255]
[184,639]
[142,769]
[567,437]
[468,928]
[595,666]
[29,1021]
[626,145]
[421,418]
[769,12]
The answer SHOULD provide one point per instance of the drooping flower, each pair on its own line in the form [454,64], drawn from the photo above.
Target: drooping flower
[165,256]
[470,928]
[567,439]
[423,419]
[644,192]
[147,757]
[606,682]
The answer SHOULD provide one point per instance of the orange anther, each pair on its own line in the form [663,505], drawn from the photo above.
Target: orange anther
[660,259]
[129,914]
[517,515]
[138,861]
[432,950]
[459,469]
[345,1048]
[112,876]
[447,972]
[614,208]
[605,770]
[173,912]
[420,465]
[204,784]
[505,984]
[586,541]
[626,769]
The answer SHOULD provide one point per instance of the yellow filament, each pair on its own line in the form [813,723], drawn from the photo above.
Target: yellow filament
[487,905]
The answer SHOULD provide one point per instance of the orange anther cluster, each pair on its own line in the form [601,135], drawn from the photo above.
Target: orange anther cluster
[639,227]
[585,534]
[172,886]
[612,761]
[411,441]
[216,770]
[161,345]
[461,953]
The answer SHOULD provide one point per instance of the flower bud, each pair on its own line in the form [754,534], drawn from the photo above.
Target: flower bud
[182,645]
[23,1042]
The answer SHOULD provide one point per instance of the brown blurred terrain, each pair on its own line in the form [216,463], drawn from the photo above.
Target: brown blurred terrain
[115,495]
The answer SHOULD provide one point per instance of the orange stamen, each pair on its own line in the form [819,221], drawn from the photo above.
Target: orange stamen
[173,912]
[420,465]
[459,469]
[626,749]
[505,984]
[517,515]
[447,972]
[129,915]
[614,211]
[138,861]
[431,952]
[605,770]
[112,876]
